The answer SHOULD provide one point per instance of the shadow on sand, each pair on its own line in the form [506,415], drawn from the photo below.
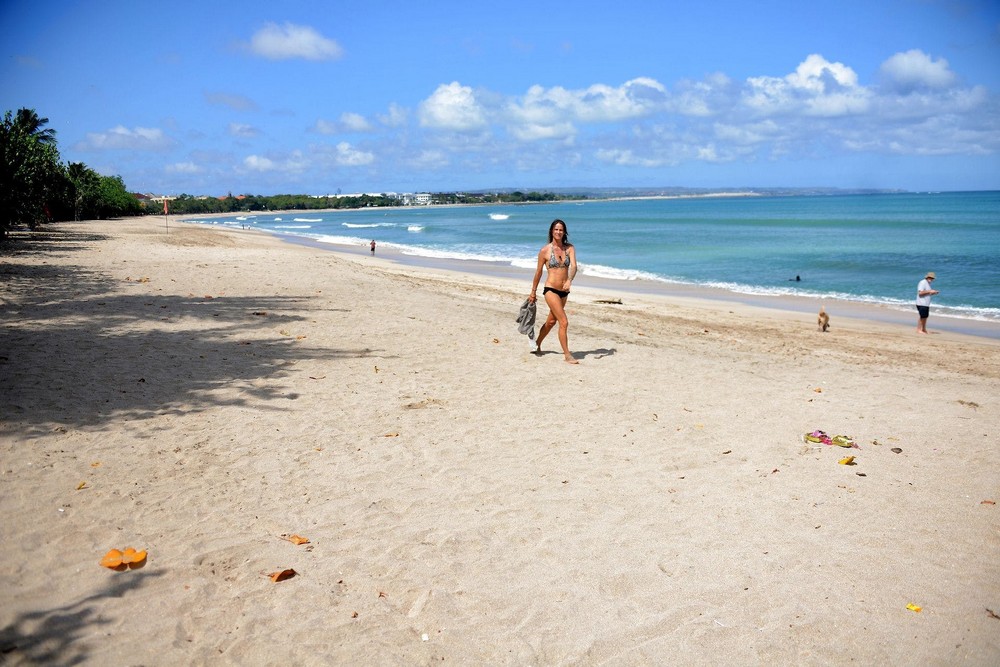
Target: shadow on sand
[599,353]
[122,362]
[58,636]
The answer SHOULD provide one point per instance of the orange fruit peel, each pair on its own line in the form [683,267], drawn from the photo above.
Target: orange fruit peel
[129,559]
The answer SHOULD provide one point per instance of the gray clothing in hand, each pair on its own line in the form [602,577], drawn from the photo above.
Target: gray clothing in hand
[526,318]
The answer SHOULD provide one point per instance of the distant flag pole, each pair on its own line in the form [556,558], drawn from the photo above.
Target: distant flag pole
[166,223]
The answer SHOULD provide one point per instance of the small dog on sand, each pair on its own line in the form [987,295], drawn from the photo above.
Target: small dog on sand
[823,321]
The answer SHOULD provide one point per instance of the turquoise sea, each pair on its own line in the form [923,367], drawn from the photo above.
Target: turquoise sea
[865,248]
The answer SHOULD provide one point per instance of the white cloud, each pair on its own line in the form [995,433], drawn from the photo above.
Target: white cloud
[122,138]
[914,70]
[452,107]
[348,122]
[537,131]
[703,98]
[549,113]
[242,130]
[632,99]
[296,163]
[289,41]
[814,109]
[748,134]
[597,103]
[817,87]
[259,163]
[429,159]
[348,156]
[626,158]
[325,127]
[395,117]
[183,168]
[816,74]
[354,122]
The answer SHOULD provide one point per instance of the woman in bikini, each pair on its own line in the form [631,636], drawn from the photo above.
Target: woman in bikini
[559,256]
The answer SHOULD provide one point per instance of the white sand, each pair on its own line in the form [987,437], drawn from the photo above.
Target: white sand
[467,502]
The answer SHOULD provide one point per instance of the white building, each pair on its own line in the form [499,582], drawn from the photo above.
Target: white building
[418,199]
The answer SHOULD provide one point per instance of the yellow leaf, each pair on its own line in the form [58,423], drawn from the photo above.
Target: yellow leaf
[297,539]
[846,461]
[81,485]
[913,607]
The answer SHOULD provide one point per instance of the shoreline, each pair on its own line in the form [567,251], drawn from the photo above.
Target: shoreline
[799,307]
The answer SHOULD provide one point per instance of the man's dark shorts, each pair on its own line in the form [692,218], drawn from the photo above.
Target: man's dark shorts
[924,311]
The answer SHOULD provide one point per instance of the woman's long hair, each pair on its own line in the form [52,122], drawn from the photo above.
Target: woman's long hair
[555,222]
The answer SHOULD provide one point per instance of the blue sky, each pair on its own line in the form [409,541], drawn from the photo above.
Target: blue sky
[316,97]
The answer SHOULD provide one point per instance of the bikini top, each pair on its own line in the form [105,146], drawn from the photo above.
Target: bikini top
[554,262]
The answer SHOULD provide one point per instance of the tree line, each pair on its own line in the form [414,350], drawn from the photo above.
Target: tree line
[36,186]
[186,204]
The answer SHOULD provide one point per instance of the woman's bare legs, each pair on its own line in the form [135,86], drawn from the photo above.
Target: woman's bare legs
[544,331]
[557,313]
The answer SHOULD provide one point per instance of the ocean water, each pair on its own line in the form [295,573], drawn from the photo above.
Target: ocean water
[863,248]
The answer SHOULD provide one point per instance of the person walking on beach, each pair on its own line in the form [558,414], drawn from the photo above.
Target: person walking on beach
[924,294]
[373,246]
[559,257]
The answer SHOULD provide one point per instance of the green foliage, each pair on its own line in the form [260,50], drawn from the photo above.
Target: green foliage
[83,182]
[186,204]
[30,173]
[36,187]
[113,200]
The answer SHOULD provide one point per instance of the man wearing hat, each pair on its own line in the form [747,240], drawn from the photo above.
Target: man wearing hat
[924,294]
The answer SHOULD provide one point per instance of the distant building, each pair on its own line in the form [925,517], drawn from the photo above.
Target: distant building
[418,199]
[159,199]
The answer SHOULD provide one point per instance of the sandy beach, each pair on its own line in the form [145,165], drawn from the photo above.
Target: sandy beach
[205,394]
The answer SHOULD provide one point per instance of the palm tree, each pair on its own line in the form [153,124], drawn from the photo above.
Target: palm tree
[29,169]
[84,180]
[27,121]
